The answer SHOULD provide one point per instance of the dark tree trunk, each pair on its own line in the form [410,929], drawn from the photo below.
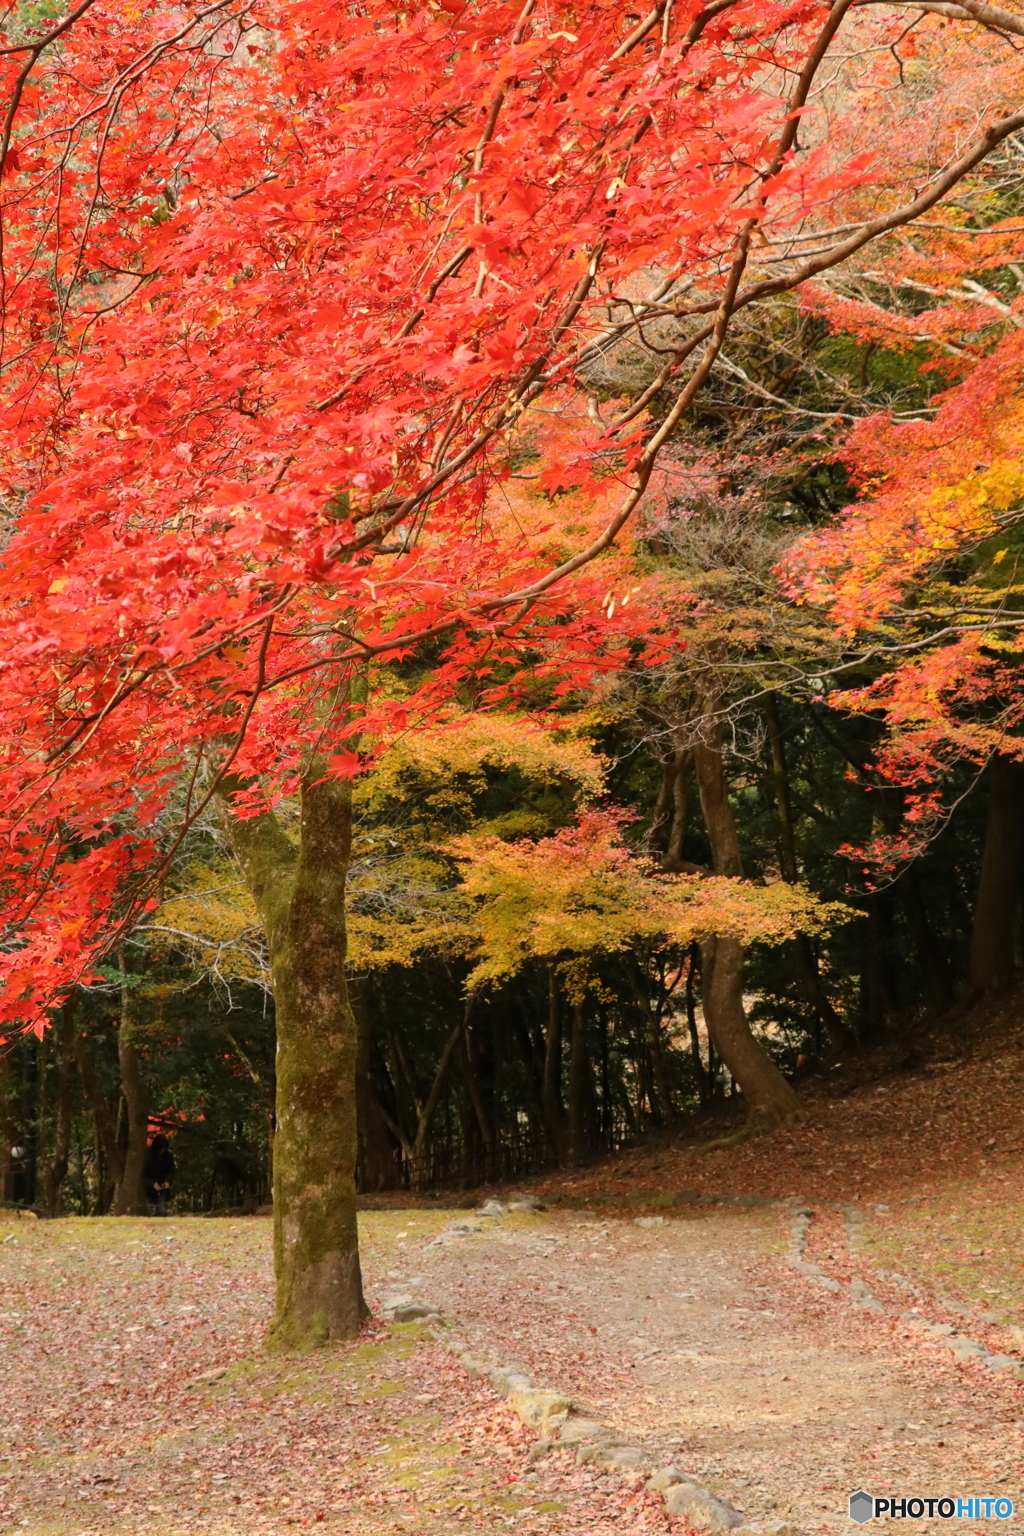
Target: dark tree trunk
[554,1113]
[582,1104]
[7,1130]
[808,979]
[130,1196]
[56,1171]
[109,1161]
[770,1100]
[300,895]
[995,908]
[476,1097]
[607,1107]
[936,972]
[427,1109]
[376,1165]
[703,1078]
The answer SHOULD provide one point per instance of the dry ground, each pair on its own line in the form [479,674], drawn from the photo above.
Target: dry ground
[694,1335]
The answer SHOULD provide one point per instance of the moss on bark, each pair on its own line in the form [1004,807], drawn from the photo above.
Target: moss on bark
[300,893]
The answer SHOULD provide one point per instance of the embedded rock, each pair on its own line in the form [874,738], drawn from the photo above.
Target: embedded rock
[539,1408]
[612,1458]
[665,1478]
[702,1509]
[506,1381]
[416,1312]
[582,1431]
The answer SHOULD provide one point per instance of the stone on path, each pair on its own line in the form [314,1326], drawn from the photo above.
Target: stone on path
[664,1479]
[702,1509]
[613,1458]
[539,1408]
[416,1312]
[581,1431]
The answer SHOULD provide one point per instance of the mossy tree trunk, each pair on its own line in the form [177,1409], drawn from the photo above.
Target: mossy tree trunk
[300,894]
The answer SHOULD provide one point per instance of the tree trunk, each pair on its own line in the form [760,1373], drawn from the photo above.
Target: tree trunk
[933,963]
[109,1162]
[130,1195]
[554,1113]
[808,979]
[300,895]
[7,1130]
[995,907]
[770,1100]
[376,1165]
[483,1119]
[582,1104]
[703,1078]
[56,1172]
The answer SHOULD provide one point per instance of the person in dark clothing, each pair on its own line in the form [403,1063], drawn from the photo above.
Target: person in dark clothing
[158,1174]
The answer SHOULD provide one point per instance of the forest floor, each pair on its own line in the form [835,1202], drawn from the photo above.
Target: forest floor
[134,1396]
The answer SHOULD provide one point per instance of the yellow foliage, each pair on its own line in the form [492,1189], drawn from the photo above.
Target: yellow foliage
[581,892]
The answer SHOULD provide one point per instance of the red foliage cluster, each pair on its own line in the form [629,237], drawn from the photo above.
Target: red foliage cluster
[285,291]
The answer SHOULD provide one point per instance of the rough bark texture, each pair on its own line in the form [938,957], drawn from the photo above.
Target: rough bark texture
[130,1195]
[995,907]
[56,1170]
[770,1099]
[300,895]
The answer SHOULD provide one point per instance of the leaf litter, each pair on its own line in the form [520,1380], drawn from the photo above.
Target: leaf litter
[136,1398]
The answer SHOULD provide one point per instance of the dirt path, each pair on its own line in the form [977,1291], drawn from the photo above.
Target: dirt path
[134,1397]
[696,1337]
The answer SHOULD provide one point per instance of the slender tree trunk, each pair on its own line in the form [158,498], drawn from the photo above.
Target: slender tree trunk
[300,895]
[582,1104]
[995,907]
[376,1165]
[933,963]
[658,1091]
[427,1110]
[554,1113]
[109,1161]
[769,1098]
[808,979]
[130,1196]
[703,1078]
[483,1119]
[7,1131]
[56,1171]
